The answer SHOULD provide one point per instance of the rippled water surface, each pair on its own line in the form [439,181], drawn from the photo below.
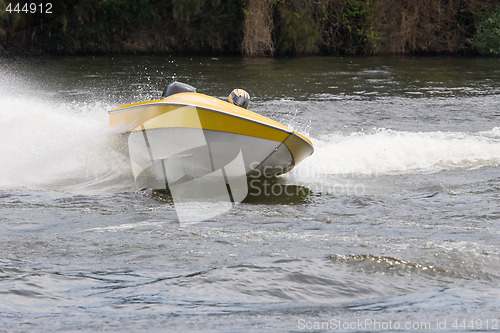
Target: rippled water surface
[391,225]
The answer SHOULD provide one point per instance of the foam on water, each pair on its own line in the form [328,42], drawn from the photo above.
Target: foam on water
[385,151]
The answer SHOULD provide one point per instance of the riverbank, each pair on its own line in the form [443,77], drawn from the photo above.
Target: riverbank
[252,27]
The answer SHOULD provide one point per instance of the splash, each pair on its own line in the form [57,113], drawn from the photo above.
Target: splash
[47,144]
[385,151]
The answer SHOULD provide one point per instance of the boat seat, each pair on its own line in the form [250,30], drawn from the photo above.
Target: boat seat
[177,87]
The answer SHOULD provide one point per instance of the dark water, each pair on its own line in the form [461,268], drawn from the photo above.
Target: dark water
[392,225]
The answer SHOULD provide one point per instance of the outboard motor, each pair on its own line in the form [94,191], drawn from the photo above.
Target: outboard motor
[177,87]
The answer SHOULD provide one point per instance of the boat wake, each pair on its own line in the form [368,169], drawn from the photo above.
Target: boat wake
[386,152]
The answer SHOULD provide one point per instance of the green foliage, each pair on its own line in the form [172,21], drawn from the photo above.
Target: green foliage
[217,27]
[487,39]
[357,19]
[297,31]
[3,19]
[10,21]
[296,27]
[347,26]
[187,9]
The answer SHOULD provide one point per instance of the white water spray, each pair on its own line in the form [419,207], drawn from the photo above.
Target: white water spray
[50,144]
[386,151]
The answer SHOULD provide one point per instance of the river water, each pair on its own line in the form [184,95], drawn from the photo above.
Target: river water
[393,224]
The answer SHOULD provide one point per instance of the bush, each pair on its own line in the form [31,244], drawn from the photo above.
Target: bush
[297,30]
[487,39]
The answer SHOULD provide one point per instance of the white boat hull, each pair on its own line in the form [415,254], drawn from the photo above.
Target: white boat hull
[159,158]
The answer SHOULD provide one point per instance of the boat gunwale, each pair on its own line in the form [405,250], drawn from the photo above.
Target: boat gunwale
[303,138]
[286,129]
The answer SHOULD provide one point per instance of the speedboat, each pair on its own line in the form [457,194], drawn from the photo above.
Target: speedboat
[186,139]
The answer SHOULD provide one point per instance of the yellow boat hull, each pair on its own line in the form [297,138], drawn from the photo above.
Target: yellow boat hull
[189,135]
